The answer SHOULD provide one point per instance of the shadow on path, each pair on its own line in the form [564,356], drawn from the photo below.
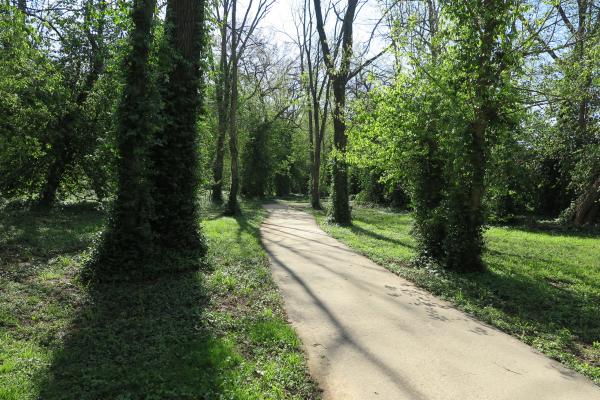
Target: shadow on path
[344,338]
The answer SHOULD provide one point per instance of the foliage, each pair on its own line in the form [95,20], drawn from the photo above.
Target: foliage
[257,162]
[31,92]
[435,128]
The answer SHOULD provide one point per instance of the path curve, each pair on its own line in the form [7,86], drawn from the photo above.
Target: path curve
[370,334]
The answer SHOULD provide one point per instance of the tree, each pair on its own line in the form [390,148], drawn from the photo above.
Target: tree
[340,74]
[31,96]
[232,207]
[128,242]
[154,223]
[317,87]
[227,91]
[64,149]
[174,156]
[223,92]
[451,104]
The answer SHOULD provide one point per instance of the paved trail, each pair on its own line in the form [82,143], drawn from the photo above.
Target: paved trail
[370,334]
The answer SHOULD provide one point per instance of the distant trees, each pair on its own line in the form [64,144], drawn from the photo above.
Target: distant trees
[63,143]
[31,95]
[569,88]
[234,40]
[80,46]
[269,120]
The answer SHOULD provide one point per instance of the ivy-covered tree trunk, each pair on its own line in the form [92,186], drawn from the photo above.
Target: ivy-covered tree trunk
[174,156]
[340,204]
[484,47]
[464,240]
[128,242]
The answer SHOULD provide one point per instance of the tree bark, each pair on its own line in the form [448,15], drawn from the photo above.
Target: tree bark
[340,202]
[232,203]
[128,241]
[223,92]
[174,176]
[340,211]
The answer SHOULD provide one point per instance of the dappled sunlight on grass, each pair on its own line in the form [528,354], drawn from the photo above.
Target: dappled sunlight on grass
[220,334]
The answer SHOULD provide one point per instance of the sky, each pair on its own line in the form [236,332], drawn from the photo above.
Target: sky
[280,22]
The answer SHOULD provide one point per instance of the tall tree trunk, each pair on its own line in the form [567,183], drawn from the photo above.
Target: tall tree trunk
[223,92]
[127,245]
[62,156]
[218,165]
[340,205]
[232,204]
[174,176]
[315,161]
[340,75]
[22,5]
[320,121]
[311,137]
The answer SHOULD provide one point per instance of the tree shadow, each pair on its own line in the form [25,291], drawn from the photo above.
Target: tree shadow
[145,340]
[555,229]
[32,235]
[365,232]
[550,306]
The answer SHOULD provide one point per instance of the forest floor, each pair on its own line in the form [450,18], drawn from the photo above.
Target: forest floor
[542,283]
[219,334]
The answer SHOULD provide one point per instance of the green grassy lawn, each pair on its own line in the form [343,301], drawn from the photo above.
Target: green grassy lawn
[540,286]
[220,334]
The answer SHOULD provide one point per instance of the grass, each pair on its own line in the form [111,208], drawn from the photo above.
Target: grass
[207,335]
[542,286]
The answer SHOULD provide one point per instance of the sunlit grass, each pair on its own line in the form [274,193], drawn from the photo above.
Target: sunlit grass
[218,334]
